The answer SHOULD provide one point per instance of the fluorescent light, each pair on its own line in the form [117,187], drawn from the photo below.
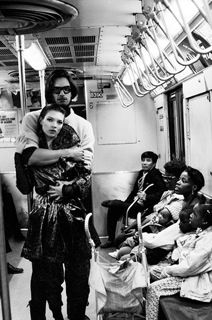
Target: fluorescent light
[35,56]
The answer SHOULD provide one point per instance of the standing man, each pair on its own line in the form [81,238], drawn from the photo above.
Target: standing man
[60,89]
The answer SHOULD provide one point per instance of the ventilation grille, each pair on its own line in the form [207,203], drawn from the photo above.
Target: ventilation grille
[75,46]
[5,52]
[64,60]
[84,39]
[2,44]
[81,51]
[65,47]
[57,41]
[58,52]
[7,57]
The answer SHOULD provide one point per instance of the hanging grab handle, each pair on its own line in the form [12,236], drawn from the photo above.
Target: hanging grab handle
[191,39]
[122,92]
[176,51]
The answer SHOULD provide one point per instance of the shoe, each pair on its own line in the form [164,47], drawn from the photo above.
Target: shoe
[113,254]
[106,203]
[107,244]
[13,270]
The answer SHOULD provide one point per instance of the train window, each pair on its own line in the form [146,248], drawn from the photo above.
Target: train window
[176,128]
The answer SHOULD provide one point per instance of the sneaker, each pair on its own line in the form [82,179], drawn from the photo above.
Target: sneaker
[113,254]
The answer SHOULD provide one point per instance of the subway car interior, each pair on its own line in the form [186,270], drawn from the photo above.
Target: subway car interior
[143,69]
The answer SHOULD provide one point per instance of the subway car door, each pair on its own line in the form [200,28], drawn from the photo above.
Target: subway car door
[199,136]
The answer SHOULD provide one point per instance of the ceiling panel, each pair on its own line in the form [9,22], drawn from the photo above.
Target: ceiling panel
[91,42]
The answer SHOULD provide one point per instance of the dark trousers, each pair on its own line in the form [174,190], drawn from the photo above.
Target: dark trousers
[77,288]
[77,267]
[46,286]
[117,210]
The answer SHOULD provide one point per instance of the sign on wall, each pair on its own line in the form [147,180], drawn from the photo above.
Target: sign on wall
[8,125]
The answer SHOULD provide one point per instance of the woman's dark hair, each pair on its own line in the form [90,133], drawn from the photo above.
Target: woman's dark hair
[43,113]
[196,177]
[184,217]
[151,155]
[58,73]
[175,167]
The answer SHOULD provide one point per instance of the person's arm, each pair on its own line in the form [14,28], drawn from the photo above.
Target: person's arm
[154,193]
[85,132]
[164,239]
[174,208]
[78,188]
[195,262]
[45,156]
[29,128]
[23,180]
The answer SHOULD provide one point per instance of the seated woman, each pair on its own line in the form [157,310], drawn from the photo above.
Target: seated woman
[159,244]
[191,272]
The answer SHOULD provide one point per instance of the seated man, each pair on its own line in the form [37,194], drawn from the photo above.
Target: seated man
[146,192]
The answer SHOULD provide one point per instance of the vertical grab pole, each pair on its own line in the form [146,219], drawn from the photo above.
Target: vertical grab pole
[42,87]
[22,83]
[4,288]
[21,70]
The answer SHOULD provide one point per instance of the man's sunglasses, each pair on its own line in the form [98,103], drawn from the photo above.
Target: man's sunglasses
[66,90]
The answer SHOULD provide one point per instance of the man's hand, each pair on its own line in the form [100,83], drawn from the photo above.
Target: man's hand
[158,272]
[55,192]
[20,144]
[141,195]
[75,153]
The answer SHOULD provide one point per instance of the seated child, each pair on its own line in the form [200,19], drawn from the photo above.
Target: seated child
[191,273]
[160,220]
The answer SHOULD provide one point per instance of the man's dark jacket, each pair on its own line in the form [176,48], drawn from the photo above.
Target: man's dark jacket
[153,193]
